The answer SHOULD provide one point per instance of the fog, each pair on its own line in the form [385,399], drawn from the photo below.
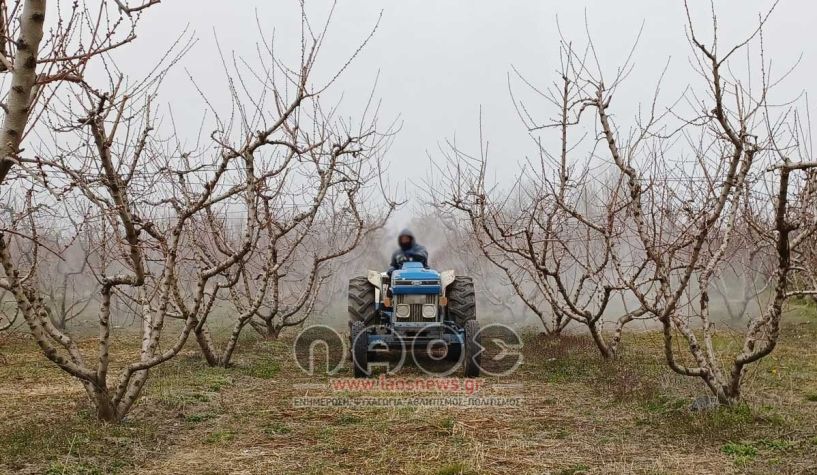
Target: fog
[442,68]
[438,63]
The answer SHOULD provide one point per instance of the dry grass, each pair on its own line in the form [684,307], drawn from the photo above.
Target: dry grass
[580,415]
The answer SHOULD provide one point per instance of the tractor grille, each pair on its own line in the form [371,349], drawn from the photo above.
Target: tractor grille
[416,282]
[416,315]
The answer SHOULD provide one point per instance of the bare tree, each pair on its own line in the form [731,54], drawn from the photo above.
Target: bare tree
[36,63]
[279,283]
[673,199]
[317,188]
[686,215]
[173,228]
[492,222]
[135,257]
[552,240]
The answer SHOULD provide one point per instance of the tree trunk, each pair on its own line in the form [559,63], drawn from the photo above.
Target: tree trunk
[208,348]
[105,408]
[233,342]
[267,330]
[598,338]
[22,83]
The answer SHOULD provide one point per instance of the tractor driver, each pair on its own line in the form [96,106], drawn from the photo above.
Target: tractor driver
[409,251]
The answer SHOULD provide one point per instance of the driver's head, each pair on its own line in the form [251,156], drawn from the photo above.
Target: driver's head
[406,240]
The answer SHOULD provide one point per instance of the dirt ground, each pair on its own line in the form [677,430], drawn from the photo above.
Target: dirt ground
[574,414]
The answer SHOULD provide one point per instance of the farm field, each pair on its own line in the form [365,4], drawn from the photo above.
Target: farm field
[577,414]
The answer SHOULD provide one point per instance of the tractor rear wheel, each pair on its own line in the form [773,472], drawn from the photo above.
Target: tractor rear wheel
[462,301]
[361,300]
[473,349]
[360,349]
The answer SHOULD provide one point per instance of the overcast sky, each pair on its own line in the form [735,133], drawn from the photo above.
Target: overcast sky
[440,60]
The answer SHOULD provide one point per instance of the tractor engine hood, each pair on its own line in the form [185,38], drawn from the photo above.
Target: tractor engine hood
[413,278]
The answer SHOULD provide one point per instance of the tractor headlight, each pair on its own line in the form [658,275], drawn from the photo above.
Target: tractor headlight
[429,311]
[402,311]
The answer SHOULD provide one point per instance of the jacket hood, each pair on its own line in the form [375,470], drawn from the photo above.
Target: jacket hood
[406,233]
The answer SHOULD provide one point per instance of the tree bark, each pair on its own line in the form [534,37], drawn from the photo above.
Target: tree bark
[22,83]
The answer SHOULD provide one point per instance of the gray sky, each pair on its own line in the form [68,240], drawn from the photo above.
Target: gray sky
[440,60]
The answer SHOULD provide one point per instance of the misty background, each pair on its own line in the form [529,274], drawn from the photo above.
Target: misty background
[437,63]
[440,68]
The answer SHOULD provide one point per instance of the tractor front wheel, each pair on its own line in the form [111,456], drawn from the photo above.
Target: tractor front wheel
[473,349]
[361,300]
[462,301]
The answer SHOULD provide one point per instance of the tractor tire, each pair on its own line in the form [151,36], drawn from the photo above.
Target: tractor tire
[473,349]
[361,300]
[462,301]
[360,349]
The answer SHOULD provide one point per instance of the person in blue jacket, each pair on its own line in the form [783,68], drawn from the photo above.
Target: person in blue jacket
[409,251]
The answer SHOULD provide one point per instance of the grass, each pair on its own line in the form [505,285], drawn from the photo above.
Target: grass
[277,429]
[201,417]
[75,444]
[574,470]
[262,369]
[219,437]
[742,454]
[740,449]
[580,415]
[458,468]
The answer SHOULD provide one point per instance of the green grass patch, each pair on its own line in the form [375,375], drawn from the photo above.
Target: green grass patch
[326,433]
[180,401]
[457,468]
[103,448]
[663,404]
[348,419]
[218,382]
[219,437]
[574,470]
[446,424]
[277,429]
[262,369]
[775,444]
[741,452]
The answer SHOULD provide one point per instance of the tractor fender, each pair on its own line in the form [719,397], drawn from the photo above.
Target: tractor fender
[376,278]
[447,278]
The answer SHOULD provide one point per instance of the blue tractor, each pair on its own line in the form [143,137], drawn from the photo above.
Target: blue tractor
[415,309]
